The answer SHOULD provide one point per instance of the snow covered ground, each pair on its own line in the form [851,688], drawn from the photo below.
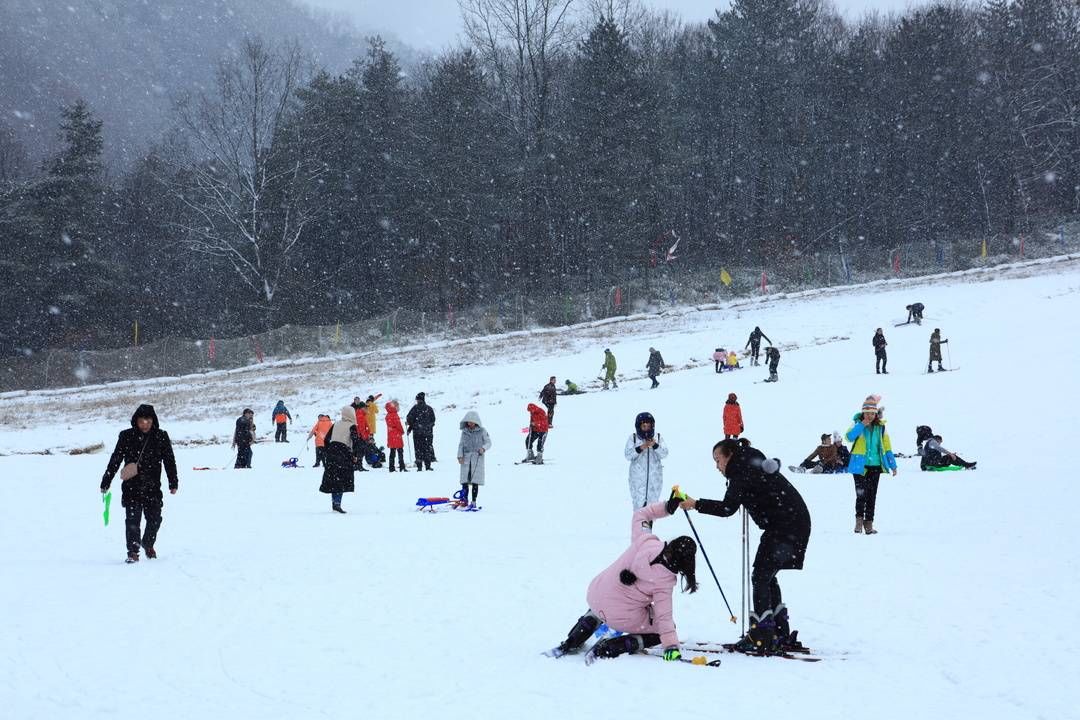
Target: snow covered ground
[264,604]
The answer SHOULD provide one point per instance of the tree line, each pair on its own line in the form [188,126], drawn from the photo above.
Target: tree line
[560,150]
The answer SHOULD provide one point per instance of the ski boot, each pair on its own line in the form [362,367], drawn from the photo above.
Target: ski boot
[761,638]
[583,629]
[786,640]
[539,459]
[613,647]
[529,457]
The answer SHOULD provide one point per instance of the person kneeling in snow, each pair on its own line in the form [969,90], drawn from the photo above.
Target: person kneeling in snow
[633,595]
[778,509]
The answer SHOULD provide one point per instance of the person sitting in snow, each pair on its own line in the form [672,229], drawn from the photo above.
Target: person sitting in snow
[934,455]
[572,389]
[824,459]
[733,360]
[634,594]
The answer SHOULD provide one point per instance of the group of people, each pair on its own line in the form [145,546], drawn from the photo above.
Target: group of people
[725,360]
[881,355]
[653,367]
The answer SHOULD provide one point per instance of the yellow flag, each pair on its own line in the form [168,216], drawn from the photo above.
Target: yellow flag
[725,277]
[984,248]
[136,332]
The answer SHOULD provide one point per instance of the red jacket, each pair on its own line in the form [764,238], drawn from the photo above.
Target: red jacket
[538,418]
[395,433]
[733,419]
[361,424]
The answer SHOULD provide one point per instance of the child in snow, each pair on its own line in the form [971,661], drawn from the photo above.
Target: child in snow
[733,360]
[633,595]
[733,424]
[871,451]
[824,459]
[318,431]
[538,430]
[281,418]
[341,444]
[719,359]
[474,442]
[778,509]
[395,436]
[934,455]
[645,453]
[572,389]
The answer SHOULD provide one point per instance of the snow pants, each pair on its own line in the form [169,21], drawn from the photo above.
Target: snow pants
[538,437]
[281,433]
[866,486]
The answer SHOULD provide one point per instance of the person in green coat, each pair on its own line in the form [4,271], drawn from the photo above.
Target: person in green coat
[571,389]
[609,369]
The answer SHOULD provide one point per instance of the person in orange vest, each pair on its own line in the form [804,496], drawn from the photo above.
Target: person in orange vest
[318,431]
[395,436]
[281,417]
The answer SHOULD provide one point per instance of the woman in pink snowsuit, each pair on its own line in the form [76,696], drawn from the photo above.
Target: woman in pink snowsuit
[633,595]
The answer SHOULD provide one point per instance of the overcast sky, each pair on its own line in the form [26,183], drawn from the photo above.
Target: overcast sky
[434,24]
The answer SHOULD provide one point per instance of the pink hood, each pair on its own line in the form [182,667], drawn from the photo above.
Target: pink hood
[627,607]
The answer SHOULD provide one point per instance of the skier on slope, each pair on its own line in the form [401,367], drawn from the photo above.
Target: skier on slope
[914,313]
[881,359]
[935,350]
[754,343]
[633,595]
[538,430]
[778,509]
[772,356]
[645,452]
[609,368]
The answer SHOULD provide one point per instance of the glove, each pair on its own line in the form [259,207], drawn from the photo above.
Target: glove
[627,577]
[672,653]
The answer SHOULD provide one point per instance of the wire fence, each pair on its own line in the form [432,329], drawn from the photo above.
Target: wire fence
[662,287]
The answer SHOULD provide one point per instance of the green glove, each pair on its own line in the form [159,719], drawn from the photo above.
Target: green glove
[107,499]
[672,654]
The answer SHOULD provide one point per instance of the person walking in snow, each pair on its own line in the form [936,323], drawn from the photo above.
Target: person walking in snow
[914,313]
[935,350]
[754,343]
[474,442]
[881,359]
[142,450]
[538,430]
[549,396]
[777,508]
[871,453]
[646,453]
[633,595]
[654,365]
[609,367]
[244,438]
[772,356]
[420,422]
[395,436]
[281,417]
[341,444]
[318,431]
[733,423]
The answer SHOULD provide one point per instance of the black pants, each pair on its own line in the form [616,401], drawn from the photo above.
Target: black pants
[879,364]
[755,348]
[425,453]
[716,363]
[133,513]
[475,490]
[243,456]
[866,486]
[400,453]
[551,414]
[281,434]
[539,437]
[652,376]
[320,455]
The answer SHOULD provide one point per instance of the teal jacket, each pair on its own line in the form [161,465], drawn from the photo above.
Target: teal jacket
[872,439]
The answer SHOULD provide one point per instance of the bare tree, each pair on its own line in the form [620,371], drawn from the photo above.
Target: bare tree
[248,199]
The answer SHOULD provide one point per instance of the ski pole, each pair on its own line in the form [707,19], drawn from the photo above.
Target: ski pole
[948,354]
[706,556]
[745,570]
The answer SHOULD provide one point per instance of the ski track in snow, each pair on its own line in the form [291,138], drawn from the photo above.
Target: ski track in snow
[264,604]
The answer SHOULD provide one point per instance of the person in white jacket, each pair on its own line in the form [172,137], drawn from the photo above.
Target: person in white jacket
[645,451]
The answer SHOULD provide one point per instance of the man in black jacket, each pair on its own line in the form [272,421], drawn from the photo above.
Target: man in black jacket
[145,447]
[754,343]
[776,507]
[549,396]
[914,312]
[772,356]
[420,423]
[881,359]
[243,437]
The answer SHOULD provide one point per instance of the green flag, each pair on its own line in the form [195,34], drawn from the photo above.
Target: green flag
[107,499]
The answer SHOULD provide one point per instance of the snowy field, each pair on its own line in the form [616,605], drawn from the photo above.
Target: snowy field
[264,604]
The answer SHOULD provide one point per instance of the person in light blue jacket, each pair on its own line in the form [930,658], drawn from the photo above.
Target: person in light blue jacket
[871,451]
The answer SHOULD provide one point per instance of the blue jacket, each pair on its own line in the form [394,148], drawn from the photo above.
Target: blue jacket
[858,435]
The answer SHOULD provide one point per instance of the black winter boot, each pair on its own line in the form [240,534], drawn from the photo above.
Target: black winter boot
[616,646]
[582,631]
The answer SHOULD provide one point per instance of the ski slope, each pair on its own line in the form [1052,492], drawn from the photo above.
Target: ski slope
[264,604]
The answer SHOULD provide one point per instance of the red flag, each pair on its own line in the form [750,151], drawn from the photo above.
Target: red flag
[258,349]
[618,297]
[212,350]
[896,262]
[764,282]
